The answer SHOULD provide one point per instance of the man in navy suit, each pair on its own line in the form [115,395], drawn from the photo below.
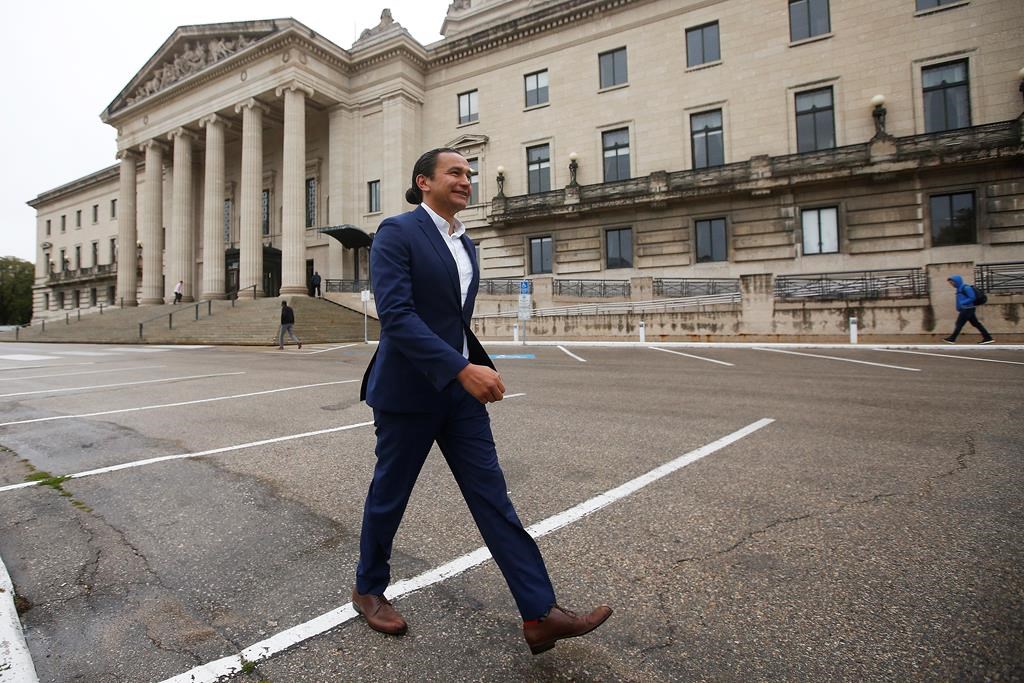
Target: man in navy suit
[428,382]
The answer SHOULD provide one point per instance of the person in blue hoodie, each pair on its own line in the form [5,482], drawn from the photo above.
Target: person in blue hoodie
[966,308]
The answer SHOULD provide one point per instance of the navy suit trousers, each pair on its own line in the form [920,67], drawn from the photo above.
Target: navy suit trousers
[460,426]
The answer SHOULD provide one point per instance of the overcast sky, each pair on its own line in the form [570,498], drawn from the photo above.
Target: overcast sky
[67,60]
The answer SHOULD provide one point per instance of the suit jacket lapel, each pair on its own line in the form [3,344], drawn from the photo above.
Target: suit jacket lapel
[475,282]
[441,249]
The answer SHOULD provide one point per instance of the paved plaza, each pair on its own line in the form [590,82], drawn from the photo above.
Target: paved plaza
[751,513]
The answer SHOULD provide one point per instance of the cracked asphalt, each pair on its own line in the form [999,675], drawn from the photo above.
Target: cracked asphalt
[872,532]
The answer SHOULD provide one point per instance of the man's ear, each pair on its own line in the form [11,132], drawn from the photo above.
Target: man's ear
[422,182]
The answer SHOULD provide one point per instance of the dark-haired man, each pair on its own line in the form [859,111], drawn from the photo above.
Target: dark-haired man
[428,382]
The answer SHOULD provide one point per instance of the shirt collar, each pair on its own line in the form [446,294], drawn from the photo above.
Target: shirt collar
[443,225]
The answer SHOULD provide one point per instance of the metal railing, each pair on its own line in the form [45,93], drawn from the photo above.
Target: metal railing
[84,273]
[346,286]
[185,307]
[675,288]
[630,307]
[502,286]
[1000,277]
[866,284]
[591,288]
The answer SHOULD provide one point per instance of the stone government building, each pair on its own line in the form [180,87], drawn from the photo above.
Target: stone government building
[625,148]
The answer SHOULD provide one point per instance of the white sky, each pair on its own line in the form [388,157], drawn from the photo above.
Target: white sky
[67,59]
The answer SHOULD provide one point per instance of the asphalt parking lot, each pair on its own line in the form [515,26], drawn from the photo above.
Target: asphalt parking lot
[862,521]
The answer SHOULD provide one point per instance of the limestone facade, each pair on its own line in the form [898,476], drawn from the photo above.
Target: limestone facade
[237,141]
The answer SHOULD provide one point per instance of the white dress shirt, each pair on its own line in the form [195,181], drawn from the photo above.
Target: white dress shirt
[459,253]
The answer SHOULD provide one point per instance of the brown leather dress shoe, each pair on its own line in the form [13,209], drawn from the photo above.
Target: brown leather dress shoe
[541,635]
[379,613]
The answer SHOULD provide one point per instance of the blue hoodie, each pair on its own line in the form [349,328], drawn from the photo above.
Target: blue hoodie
[964,293]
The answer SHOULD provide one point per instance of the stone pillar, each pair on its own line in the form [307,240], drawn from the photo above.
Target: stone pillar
[127,232]
[250,256]
[181,247]
[213,209]
[152,224]
[293,197]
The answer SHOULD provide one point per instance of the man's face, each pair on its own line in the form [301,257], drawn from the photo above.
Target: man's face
[448,189]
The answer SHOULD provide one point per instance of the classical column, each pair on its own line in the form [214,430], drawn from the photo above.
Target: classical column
[250,266]
[127,232]
[293,196]
[181,240]
[152,224]
[213,209]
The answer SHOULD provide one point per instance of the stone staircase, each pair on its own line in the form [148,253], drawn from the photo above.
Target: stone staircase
[248,322]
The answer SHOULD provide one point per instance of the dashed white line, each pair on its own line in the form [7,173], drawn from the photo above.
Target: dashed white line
[582,360]
[949,355]
[119,384]
[84,372]
[175,405]
[690,355]
[845,360]
[257,652]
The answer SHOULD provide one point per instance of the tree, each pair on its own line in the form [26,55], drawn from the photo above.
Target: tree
[16,277]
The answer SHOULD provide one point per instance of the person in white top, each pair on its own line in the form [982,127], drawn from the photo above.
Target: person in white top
[178,290]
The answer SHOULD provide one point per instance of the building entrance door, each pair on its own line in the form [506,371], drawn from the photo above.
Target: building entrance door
[271,271]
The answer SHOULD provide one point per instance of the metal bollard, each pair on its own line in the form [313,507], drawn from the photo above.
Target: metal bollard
[643,332]
[170,321]
[853,330]
[140,330]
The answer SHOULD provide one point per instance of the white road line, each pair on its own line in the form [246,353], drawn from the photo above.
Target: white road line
[142,349]
[83,353]
[15,661]
[27,356]
[689,355]
[119,384]
[84,372]
[333,348]
[47,366]
[845,360]
[515,395]
[949,355]
[582,360]
[257,652]
[175,405]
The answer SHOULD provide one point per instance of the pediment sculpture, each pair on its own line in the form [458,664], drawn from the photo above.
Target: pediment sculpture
[193,59]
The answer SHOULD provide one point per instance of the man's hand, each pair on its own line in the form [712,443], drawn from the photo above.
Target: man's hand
[482,383]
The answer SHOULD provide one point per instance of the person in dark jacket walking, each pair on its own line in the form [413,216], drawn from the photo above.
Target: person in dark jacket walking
[315,284]
[287,323]
[967,310]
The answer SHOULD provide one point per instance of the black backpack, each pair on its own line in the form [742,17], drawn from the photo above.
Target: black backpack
[980,297]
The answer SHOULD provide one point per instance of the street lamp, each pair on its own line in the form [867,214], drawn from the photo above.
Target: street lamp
[501,182]
[878,113]
[573,167]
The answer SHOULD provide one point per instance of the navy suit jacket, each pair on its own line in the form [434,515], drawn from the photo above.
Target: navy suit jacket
[422,320]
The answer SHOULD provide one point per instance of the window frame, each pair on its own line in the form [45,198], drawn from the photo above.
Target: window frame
[810,21]
[605,149]
[711,220]
[95,214]
[704,131]
[965,85]
[310,209]
[803,241]
[266,213]
[531,267]
[813,113]
[615,83]
[474,180]
[78,218]
[975,228]
[704,57]
[472,107]
[373,196]
[113,208]
[607,244]
[542,166]
[49,227]
[227,215]
[536,89]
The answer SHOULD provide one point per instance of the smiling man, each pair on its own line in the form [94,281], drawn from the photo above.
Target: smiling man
[428,382]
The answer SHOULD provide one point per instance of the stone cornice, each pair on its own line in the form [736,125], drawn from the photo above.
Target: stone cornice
[85,182]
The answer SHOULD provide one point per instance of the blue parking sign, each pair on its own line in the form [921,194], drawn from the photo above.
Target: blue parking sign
[524,287]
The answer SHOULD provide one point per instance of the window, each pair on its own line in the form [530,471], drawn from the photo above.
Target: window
[711,240]
[815,120]
[95,214]
[706,139]
[113,208]
[536,88]
[947,104]
[929,4]
[702,45]
[538,168]
[264,212]
[474,181]
[952,219]
[78,257]
[95,253]
[113,250]
[227,221]
[612,66]
[63,261]
[47,227]
[540,255]
[468,110]
[619,248]
[310,202]
[821,231]
[615,144]
[808,18]
[63,223]
[78,218]
[373,196]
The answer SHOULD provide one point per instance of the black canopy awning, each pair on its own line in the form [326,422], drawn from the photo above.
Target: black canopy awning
[350,236]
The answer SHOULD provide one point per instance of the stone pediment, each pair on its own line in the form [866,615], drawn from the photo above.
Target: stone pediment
[191,50]
[467,142]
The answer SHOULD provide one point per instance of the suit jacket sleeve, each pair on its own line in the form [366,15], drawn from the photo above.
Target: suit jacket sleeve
[391,267]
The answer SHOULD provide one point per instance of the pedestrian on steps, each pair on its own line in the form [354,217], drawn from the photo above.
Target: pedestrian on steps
[287,323]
